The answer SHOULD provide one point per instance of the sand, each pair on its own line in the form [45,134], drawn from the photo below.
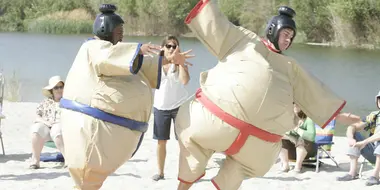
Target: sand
[136,174]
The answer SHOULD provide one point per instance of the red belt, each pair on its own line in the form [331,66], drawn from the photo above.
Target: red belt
[245,128]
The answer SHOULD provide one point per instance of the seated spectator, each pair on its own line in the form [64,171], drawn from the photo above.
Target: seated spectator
[298,144]
[369,147]
[47,125]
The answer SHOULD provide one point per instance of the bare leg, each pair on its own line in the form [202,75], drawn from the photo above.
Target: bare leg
[161,156]
[352,175]
[59,143]
[376,170]
[374,179]
[301,155]
[284,159]
[184,186]
[353,165]
[37,146]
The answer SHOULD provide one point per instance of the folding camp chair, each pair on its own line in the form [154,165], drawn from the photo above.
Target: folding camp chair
[50,144]
[2,143]
[363,162]
[324,141]
[2,82]
[362,167]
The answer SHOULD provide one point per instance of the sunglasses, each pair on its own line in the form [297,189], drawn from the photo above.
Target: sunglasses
[58,87]
[170,46]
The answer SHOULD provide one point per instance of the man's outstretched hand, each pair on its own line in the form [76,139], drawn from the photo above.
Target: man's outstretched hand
[148,49]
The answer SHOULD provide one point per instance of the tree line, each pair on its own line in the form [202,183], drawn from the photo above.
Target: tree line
[341,22]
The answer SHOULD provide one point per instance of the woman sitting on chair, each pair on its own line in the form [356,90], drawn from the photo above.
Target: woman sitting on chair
[298,144]
[47,125]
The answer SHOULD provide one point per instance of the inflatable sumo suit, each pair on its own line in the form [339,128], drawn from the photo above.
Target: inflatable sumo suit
[245,103]
[106,104]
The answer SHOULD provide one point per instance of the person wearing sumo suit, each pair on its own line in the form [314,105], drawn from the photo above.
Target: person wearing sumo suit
[108,100]
[245,103]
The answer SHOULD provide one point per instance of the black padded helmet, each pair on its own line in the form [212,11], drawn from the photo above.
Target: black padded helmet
[279,22]
[106,21]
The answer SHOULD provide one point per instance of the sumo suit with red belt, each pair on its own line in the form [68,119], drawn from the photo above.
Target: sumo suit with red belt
[245,103]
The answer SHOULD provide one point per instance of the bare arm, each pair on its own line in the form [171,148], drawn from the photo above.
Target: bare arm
[347,118]
[353,128]
[153,64]
[184,76]
[375,137]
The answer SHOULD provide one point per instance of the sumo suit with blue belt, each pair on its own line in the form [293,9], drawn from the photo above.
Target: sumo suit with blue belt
[106,104]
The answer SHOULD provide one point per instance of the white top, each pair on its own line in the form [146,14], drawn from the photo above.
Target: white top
[172,92]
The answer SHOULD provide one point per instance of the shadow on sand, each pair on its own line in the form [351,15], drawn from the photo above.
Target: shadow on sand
[14,157]
[48,175]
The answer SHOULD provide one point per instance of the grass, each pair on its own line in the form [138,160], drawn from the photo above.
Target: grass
[51,26]
[77,21]
[12,87]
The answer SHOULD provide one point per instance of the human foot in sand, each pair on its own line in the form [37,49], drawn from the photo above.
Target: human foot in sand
[158,177]
[34,166]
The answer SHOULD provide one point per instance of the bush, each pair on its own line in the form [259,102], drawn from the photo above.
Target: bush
[345,22]
[12,87]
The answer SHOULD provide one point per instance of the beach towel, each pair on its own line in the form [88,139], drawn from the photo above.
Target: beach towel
[52,158]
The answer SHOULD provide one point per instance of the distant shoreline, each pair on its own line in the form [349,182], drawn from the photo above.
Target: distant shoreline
[191,35]
[321,44]
[362,46]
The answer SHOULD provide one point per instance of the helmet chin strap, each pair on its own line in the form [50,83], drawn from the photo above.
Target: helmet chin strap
[270,45]
[277,46]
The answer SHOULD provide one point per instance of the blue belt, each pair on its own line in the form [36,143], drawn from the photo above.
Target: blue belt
[138,144]
[102,115]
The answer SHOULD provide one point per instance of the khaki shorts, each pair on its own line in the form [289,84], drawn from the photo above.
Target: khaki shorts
[201,134]
[46,132]
[95,149]
[291,144]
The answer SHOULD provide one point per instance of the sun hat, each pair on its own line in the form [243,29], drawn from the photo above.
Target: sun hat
[53,81]
[377,96]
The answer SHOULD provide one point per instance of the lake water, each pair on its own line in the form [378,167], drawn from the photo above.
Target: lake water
[353,74]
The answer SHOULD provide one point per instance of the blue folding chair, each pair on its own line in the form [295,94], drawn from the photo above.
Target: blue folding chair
[323,142]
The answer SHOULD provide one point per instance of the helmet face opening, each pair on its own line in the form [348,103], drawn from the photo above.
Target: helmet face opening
[279,22]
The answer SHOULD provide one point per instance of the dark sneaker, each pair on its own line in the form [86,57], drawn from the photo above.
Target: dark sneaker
[296,171]
[158,177]
[283,170]
[372,181]
[347,177]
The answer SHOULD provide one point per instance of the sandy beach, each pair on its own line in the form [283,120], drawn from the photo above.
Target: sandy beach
[136,174]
